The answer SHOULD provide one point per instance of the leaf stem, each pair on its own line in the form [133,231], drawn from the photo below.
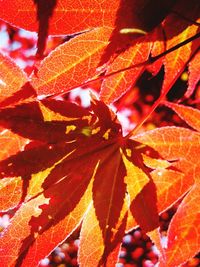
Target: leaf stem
[163,95]
[146,116]
[149,61]
[194,37]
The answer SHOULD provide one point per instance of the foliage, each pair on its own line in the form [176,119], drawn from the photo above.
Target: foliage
[64,165]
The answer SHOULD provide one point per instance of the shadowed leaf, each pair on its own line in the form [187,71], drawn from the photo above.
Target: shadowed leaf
[71,151]
[44,13]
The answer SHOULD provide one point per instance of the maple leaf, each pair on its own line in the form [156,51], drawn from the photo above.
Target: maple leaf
[68,16]
[176,61]
[71,148]
[12,78]
[75,150]
[113,87]
[180,145]
[65,165]
[116,42]
[71,63]
[10,144]
[80,159]
[155,43]
[194,76]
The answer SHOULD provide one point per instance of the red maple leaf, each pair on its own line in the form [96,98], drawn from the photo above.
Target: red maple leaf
[64,165]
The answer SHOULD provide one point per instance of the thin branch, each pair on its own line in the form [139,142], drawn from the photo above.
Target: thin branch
[163,95]
[185,18]
[144,63]
[194,37]
[155,105]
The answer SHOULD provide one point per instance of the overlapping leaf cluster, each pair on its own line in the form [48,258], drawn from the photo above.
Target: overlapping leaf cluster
[63,165]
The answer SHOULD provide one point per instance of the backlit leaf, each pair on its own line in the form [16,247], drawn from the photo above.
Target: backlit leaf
[176,61]
[40,239]
[158,47]
[12,78]
[113,87]
[183,241]
[72,63]
[194,75]
[12,188]
[68,16]
[63,169]
[190,115]
[10,143]
[175,144]
[180,146]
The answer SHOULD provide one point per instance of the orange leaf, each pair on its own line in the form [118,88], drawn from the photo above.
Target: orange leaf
[10,188]
[58,232]
[12,78]
[180,146]
[194,75]
[72,63]
[10,143]
[177,31]
[11,240]
[72,154]
[158,47]
[175,144]
[171,185]
[10,193]
[115,86]
[190,115]
[142,193]
[68,16]
[98,252]
[184,230]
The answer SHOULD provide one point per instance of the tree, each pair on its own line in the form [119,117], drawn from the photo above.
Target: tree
[64,164]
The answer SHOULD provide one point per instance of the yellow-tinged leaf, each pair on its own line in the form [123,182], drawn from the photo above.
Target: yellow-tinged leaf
[36,181]
[176,61]
[91,240]
[10,193]
[58,232]
[194,74]
[184,230]
[135,178]
[12,78]
[72,63]
[49,115]
[68,16]
[10,143]
[93,247]
[115,86]
[190,115]
[11,241]
[155,163]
